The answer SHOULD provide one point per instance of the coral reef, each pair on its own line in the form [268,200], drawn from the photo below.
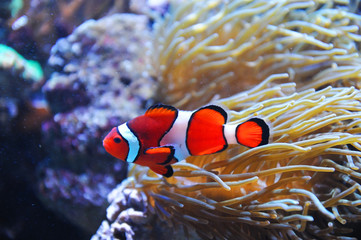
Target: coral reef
[10,8]
[304,184]
[29,70]
[81,197]
[150,8]
[102,80]
[22,215]
[202,48]
[130,218]
[42,22]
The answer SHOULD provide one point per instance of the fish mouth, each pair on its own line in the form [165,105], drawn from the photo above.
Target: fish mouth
[106,145]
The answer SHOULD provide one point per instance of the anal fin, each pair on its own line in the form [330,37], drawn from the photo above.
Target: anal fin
[166,171]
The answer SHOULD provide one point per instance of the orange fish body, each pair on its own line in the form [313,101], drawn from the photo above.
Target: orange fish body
[165,135]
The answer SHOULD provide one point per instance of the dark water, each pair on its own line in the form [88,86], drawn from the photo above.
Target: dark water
[22,215]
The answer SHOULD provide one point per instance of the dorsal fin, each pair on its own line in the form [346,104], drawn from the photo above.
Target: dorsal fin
[154,124]
[161,109]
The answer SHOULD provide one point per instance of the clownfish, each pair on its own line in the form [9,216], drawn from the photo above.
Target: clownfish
[165,135]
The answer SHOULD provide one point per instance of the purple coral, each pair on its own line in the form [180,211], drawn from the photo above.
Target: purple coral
[102,80]
[39,23]
[81,197]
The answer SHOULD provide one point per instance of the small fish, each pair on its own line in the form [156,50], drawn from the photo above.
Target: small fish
[165,135]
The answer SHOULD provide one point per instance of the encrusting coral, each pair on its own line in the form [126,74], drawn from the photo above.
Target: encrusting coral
[131,219]
[100,82]
[43,22]
[304,184]
[29,70]
[19,79]
[203,47]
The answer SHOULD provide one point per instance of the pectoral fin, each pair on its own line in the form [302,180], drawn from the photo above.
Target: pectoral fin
[161,158]
[161,155]
[166,171]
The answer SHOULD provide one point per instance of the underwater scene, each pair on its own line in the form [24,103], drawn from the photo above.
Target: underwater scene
[183,119]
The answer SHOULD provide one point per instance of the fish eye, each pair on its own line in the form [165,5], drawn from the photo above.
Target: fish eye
[116,140]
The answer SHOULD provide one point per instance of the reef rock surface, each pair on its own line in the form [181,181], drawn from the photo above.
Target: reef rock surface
[102,79]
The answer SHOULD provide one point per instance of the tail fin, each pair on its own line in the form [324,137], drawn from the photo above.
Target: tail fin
[253,133]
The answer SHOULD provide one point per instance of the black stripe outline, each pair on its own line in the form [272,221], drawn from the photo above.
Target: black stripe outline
[169,171]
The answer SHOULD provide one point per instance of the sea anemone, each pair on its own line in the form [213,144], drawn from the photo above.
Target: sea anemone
[304,184]
[204,47]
